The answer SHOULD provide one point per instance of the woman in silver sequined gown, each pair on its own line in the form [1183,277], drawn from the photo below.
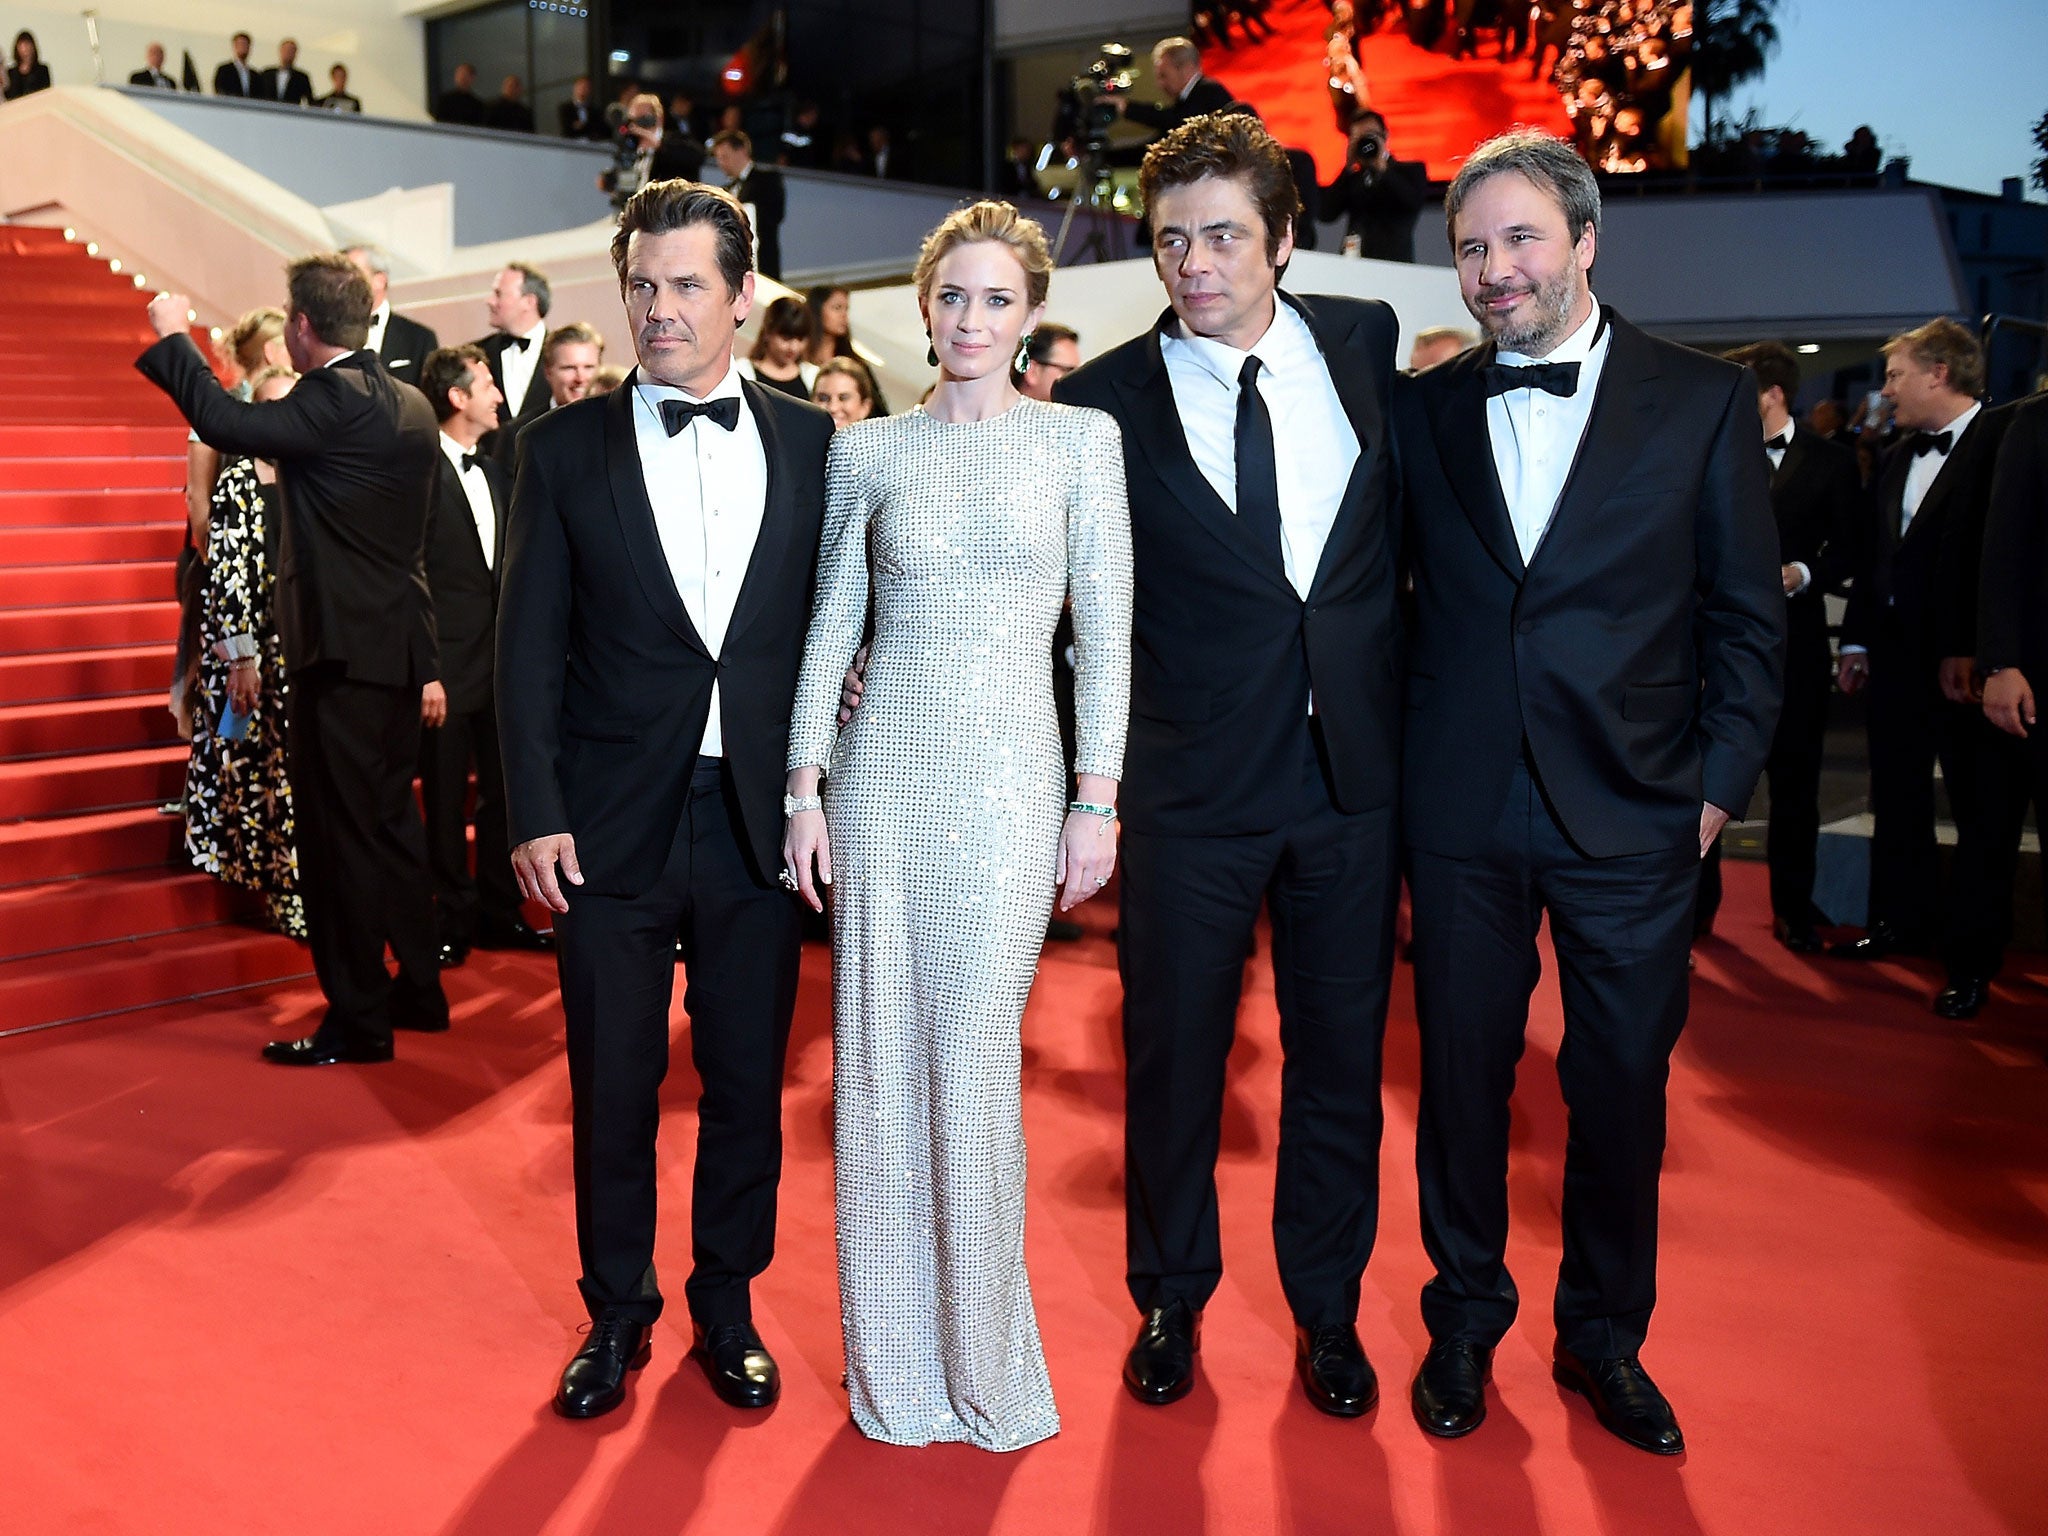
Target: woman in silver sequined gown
[946,828]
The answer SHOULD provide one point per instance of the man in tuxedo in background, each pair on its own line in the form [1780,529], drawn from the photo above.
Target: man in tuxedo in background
[464,549]
[152,73]
[579,117]
[287,82]
[1908,635]
[355,454]
[569,360]
[338,98]
[760,191]
[459,105]
[1177,66]
[1817,499]
[401,345]
[235,77]
[1592,691]
[510,111]
[2012,639]
[656,591]
[1263,753]
[518,308]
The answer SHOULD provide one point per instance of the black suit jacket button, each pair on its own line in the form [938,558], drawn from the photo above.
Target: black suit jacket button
[1525,627]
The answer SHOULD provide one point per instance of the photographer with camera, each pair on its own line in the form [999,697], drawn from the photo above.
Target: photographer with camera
[642,151]
[1376,195]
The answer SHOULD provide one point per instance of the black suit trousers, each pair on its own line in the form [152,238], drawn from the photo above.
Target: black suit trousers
[463,904]
[1621,928]
[362,861]
[1911,727]
[1188,909]
[617,959]
[1794,772]
[2006,774]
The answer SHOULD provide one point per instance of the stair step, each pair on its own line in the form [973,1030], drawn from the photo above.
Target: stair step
[89,441]
[142,973]
[67,786]
[70,508]
[35,240]
[65,914]
[95,545]
[25,631]
[86,674]
[73,474]
[85,725]
[68,846]
[44,586]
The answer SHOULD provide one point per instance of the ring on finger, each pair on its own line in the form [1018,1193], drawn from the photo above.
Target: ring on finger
[788,879]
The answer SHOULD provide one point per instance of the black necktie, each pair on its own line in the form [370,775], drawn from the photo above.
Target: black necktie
[1931,442]
[1553,378]
[518,341]
[470,461]
[1779,443]
[1258,475]
[676,414]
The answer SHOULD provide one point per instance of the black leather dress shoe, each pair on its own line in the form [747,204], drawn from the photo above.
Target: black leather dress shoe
[741,1371]
[1800,939]
[1963,998]
[1334,1371]
[1624,1399]
[316,1052]
[1161,1365]
[451,953]
[595,1381]
[1449,1397]
[515,934]
[1880,943]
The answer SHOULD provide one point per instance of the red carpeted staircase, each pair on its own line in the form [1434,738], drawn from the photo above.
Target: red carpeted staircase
[100,910]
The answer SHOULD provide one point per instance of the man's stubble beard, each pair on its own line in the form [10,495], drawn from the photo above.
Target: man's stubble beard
[1537,337]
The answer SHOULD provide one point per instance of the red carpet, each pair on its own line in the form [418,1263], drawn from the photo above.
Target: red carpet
[1436,110]
[238,1300]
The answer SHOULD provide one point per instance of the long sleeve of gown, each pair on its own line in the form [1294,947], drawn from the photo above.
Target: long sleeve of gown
[838,611]
[1099,585]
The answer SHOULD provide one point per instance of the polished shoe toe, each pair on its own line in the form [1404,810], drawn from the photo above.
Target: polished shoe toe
[313,1051]
[1800,938]
[1963,998]
[1334,1372]
[1160,1367]
[516,934]
[1881,942]
[740,1369]
[595,1380]
[451,953]
[1449,1397]
[1625,1400]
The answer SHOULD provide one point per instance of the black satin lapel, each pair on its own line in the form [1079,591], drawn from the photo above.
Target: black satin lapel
[636,514]
[1945,482]
[771,545]
[1788,463]
[1624,411]
[1465,448]
[1156,427]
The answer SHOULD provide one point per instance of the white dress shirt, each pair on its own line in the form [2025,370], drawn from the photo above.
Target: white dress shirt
[478,490]
[379,318]
[1536,434]
[1774,450]
[1926,468]
[1314,445]
[709,490]
[518,364]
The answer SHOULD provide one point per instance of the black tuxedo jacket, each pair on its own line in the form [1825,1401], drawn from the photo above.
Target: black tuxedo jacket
[464,589]
[227,81]
[1817,498]
[1925,582]
[1224,653]
[298,88]
[2012,605]
[536,398]
[405,346]
[1638,653]
[1203,97]
[764,189]
[583,122]
[604,685]
[355,452]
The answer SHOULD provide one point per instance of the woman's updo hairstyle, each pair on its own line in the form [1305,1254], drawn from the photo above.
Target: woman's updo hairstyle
[996,221]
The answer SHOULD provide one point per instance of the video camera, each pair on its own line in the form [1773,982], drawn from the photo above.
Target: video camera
[1087,103]
[627,173]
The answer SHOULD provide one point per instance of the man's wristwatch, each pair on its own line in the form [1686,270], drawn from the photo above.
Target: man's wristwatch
[791,804]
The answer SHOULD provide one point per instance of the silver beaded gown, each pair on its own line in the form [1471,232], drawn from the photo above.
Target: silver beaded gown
[944,801]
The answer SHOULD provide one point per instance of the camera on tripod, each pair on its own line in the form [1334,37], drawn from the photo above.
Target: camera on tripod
[1087,103]
[628,170]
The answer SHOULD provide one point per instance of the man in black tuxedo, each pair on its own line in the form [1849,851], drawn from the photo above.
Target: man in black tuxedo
[569,360]
[464,553]
[235,77]
[1592,693]
[2012,640]
[459,105]
[1909,634]
[579,117]
[760,191]
[518,307]
[1817,499]
[510,111]
[1177,66]
[401,345]
[1263,749]
[152,75]
[287,82]
[355,456]
[647,660]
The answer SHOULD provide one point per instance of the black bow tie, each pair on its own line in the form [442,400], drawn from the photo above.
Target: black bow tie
[1779,443]
[518,341]
[676,414]
[1555,378]
[1931,442]
[470,461]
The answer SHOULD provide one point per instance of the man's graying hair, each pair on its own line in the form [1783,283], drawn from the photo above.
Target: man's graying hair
[1543,159]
